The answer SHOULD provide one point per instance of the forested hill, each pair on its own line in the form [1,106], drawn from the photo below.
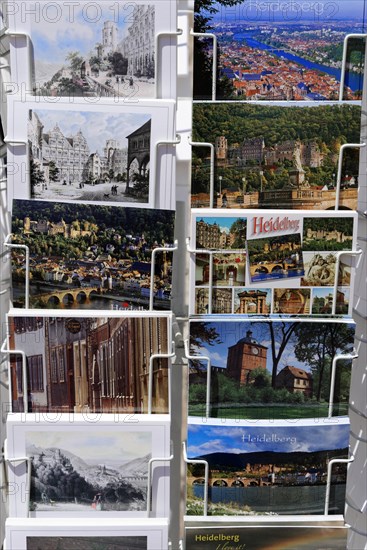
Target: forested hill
[324,123]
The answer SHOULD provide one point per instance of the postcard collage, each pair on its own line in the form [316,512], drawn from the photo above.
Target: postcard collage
[272,251]
[91,115]
[274,193]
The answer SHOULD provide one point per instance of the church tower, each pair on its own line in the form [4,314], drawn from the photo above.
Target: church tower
[244,357]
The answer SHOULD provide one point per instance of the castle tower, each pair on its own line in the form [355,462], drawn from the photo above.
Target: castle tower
[221,148]
[244,357]
[109,38]
[27,225]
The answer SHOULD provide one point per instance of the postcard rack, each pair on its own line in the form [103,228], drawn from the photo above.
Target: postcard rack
[169,471]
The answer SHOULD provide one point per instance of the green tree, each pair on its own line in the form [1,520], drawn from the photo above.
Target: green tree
[204,11]
[317,345]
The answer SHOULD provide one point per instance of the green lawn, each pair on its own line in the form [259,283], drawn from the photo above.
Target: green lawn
[270,411]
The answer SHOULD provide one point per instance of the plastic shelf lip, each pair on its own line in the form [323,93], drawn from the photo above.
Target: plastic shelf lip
[15,141]
[340,168]
[158,36]
[208,374]
[206,474]
[158,144]
[337,267]
[26,248]
[212,157]
[328,481]
[359,510]
[215,55]
[15,459]
[4,66]
[154,253]
[344,61]
[9,32]
[4,349]
[337,358]
[150,375]
[150,474]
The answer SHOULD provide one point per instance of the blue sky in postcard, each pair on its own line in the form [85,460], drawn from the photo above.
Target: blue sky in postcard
[226,438]
[96,127]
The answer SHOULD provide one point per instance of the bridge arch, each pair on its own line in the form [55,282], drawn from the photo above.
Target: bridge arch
[276,268]
[68,298]
[53,301]
[237,483]
[199,481]
[81,297]
[220,483]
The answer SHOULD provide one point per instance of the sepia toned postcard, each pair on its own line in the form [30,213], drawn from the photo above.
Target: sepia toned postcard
[93,466]
[278,51]
[279,156]
[84,364]
[85,256]
[266,469]
[270,369]
[94,51]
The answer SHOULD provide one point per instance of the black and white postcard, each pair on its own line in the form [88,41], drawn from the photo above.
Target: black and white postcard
[84,364]
[88,465]
[270,369]
[94,50]
[85,534]
[101,153]
[257,263]
[84,256]
[264,469]
[280,51]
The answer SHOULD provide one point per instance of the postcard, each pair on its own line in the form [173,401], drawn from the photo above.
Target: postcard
[258,263]
[252,536]
[269,369]
[85,256]
[278,156]
[267,469]
[280,51]
[84,534]
[95,50]
[92,153]
[88,465]
[85,364]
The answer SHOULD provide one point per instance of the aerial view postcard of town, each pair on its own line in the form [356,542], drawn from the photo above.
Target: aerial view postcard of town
[266,469]
[275,51]
[91,256]
[264,264]
[276,156]
[95,50]
[269,369]
[70,370]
